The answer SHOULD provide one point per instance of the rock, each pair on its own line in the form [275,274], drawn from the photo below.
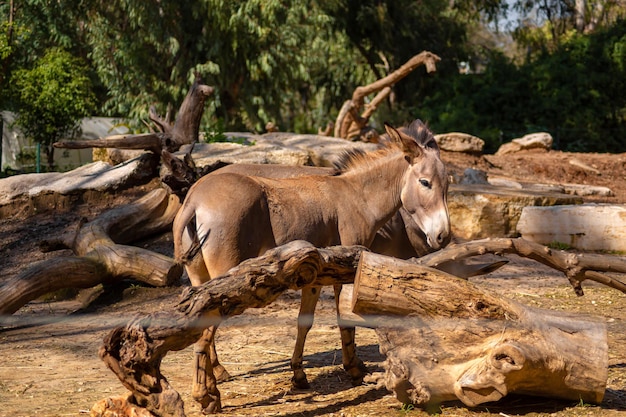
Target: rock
[506,148]
[587,190]
[584,227]
[480,211]
[505,183]
[460,142]
[114,156]
[474,176]
[535,140]
[96,176]
[324,151]
[575,162]
[277,148]
[259,153]
[541,140]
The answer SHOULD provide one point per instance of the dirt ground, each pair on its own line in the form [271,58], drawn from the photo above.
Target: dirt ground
[49,364]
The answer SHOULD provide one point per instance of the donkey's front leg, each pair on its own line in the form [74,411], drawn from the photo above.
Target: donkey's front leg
[310,296]
[204,389]
[351,362]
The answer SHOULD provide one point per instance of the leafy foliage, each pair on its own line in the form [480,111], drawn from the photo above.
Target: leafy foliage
[575,93]
[294,62]
[53,97]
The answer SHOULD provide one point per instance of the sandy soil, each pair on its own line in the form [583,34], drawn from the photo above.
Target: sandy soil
[50,365]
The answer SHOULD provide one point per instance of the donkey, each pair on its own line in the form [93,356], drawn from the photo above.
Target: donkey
[236,217]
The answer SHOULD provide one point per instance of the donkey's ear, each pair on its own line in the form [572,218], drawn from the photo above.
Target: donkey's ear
[408,145]
[394,135]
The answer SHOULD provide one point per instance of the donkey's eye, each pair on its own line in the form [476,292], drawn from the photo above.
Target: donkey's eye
[425,183]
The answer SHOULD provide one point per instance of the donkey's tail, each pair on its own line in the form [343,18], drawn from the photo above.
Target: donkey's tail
[185,222]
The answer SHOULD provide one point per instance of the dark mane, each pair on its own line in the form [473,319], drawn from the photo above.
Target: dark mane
[421,133]
[417,129]
[345,160]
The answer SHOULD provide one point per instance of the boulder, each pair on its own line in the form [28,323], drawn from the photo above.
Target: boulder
[540,140]
[584,227]
[460,142]
[276,148]
[474,176]
[259,153]
[94,177]
[481,211]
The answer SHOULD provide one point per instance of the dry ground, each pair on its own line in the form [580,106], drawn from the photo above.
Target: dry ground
[50,366]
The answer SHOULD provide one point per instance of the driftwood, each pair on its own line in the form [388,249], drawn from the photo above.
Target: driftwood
[474,346]
[101,254]
[99,246]
[170,138]
[350,124]
[134,352]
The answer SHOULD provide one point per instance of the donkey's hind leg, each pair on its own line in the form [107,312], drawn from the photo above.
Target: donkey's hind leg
[204,389]
[198,274]
[310,296]
[351,362]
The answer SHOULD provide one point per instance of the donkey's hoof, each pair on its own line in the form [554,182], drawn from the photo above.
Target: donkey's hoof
[300,383]
[213,408]
[221,374]
[357,373]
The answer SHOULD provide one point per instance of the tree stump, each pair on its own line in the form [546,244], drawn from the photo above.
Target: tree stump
[445,339]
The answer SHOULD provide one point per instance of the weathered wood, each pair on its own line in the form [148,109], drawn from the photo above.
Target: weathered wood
[446,339]
[134,352]
[350,124]
[577,267]
[184,131]
[100,256]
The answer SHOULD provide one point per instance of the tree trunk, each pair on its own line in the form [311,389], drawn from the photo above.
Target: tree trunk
[350,124]
[184,131]
[99,255]
[445,339]
[134,352]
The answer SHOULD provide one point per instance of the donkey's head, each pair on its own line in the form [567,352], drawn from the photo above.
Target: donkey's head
[425,185]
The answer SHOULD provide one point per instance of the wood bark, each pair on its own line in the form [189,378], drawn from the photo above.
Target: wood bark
[446,339]
[101,254]
[350,124]
[134,352]
[170,138]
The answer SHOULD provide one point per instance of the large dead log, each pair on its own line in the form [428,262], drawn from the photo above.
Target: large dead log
[445,339]
[170,138]
[100,255]
[134,352]
[350,124]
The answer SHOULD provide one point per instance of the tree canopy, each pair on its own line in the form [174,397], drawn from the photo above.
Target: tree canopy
[53,97]
[533,65]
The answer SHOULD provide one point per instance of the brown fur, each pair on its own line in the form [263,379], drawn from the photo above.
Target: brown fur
[239,217]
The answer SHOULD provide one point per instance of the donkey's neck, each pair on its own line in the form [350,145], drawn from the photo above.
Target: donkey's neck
[378,185]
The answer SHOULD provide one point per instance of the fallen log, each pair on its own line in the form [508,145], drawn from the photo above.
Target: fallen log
[134,352]
[170,138]
[100,255]
[446,339]
[577,267]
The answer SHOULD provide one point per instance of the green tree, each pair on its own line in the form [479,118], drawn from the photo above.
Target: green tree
[53,97]
[262,56]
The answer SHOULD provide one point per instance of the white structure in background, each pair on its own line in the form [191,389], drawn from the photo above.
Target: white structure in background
[14,144]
